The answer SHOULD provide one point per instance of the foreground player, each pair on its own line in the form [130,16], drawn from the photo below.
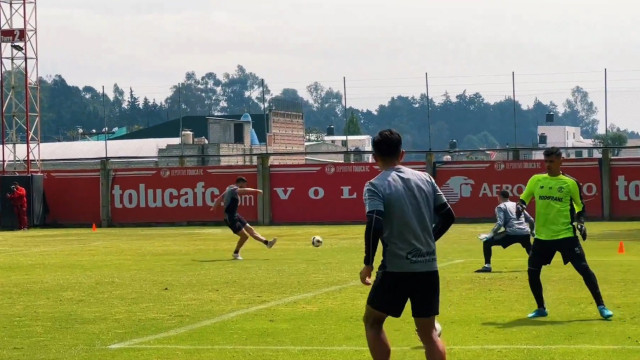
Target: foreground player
[230,199]
[408,213]
[516,230]
[558,207]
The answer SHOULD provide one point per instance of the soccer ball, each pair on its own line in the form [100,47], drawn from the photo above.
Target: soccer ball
[316,241]
[438,328]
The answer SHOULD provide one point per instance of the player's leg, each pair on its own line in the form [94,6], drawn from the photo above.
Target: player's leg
[255,235]
[24,221]
[486,252]
[575,255]
[425,305]
[526,243]
[541,254]
[433,345]
[387,297]
[243,237]
[497,239]
[379,346]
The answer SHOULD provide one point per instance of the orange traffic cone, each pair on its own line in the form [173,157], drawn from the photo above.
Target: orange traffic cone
[621,248]
[93,228]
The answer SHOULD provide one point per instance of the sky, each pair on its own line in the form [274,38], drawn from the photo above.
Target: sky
[382,48]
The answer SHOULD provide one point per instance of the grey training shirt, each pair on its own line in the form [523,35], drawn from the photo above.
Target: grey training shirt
[408,199]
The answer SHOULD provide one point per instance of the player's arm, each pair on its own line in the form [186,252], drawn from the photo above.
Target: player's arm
[372,235]
[444,214]
[532,224]
[242,191]
[578,205]
[499,222]
[527,194]
[218,201]
[373,231]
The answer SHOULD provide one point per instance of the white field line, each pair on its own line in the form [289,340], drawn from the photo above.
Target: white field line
[48,249]
[524,259]
[233,314]
[364,348]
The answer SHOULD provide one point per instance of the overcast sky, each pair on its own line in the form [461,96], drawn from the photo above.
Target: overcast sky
[383,48]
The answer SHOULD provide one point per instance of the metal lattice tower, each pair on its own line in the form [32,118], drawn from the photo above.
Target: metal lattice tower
[20,87]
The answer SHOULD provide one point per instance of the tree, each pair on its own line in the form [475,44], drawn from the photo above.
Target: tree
[615,138]
[326,107]
[353,125]
[242,92]
[581,111]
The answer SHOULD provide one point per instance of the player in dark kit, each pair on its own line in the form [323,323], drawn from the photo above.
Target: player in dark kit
[230,199]
[516,230]
[408,213]
[559,219]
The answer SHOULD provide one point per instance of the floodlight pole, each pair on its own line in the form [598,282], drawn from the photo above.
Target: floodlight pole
[428,109]
[106,129]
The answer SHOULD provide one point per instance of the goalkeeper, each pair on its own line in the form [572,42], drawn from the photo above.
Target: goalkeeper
[516,230]
[559,218]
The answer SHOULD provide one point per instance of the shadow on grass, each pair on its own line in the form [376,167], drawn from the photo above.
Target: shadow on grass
[535,322]
[508,271]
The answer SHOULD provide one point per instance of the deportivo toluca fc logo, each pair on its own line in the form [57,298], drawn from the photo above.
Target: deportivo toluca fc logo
[330,169]
[165,173]
[457,187]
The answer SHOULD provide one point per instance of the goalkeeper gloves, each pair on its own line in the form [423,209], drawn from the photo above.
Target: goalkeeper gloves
[582,230]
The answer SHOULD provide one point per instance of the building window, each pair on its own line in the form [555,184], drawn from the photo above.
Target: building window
[590,152]
[525,156]
[574,136]
[579,153]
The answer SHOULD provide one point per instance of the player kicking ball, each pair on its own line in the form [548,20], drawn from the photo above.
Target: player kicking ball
[230,199]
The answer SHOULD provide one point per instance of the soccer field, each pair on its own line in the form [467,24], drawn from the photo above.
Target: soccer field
[175,293]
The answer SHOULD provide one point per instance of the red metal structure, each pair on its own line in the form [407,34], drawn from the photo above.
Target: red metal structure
[20,87]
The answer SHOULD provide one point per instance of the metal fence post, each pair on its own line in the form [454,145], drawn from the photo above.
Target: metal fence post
[605,172]
[264,184]
[105,193]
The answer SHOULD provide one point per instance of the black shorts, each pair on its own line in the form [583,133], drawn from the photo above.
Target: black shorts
[542,251]
[505,240]
[391,290]
[236,223]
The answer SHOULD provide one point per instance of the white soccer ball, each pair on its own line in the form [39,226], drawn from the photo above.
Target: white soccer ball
[438,328]
[316,241]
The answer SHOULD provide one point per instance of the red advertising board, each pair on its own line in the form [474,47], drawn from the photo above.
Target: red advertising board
[471,187]
[321,193]
[73,196]
[625,188]
[176,194]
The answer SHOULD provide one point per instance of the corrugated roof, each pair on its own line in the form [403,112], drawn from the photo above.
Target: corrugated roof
[197,124]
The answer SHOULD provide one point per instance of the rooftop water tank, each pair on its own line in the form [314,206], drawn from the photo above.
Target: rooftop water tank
[331,131]
[187,137]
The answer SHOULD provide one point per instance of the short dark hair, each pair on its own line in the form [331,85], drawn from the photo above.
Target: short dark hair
[504,194]
[552,151]
[241,179]
[15,183]
[387,144]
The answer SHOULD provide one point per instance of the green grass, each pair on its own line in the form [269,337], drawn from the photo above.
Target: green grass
[70,293]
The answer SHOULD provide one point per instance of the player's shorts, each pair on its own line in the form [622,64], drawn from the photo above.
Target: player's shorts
[543,251]
[391,290]
[505,240]
[236,223]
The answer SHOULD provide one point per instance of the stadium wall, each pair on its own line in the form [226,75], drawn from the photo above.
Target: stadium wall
[311,193]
